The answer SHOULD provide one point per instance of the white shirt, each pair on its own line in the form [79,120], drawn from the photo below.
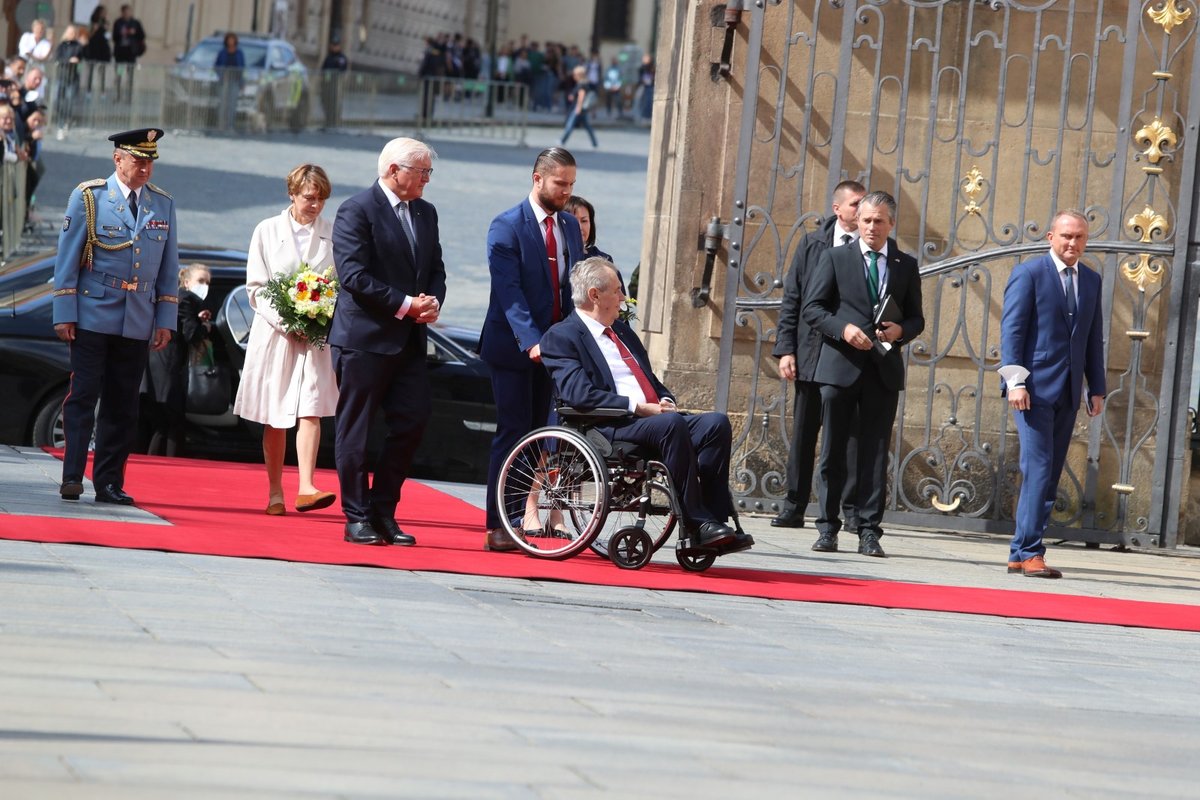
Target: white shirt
[627,385]
[839,233]
[559,238]
[301,235]
[393,201]
[1062,268]
[880,264]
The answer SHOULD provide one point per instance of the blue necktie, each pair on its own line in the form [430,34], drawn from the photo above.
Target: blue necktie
[1069,283]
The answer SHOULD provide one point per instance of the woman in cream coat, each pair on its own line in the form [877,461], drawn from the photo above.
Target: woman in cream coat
[286,381]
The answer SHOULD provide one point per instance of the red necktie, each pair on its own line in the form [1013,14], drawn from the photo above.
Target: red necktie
[638,374]
[552,254]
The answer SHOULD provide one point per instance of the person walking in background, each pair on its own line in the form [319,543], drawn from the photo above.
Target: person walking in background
[1051,340]
[529,248]
[129,44]
[861,368]
[797,347]
[167,371]
[287,382]
[230,64]
[333,76]
[582,98]
[109,303]
[389,258]
[646,82]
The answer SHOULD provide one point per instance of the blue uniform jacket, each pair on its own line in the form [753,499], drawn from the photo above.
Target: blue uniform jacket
[127,292]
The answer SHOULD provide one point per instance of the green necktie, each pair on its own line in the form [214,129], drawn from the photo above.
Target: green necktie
[873,275]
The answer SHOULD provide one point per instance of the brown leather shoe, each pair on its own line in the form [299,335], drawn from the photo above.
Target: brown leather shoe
[1036,568]
[313,502]
[276,510]
[498,541]
[1014,566]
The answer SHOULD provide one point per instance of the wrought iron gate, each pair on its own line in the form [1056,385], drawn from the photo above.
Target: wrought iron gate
[982,118]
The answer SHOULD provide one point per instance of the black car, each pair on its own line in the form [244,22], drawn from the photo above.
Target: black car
[35,370]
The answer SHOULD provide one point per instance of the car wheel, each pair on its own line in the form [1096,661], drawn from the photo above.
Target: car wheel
[48,423]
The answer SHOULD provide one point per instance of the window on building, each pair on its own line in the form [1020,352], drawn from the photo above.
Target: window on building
[612,19]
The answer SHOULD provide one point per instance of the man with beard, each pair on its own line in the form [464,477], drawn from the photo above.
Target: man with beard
[531,248]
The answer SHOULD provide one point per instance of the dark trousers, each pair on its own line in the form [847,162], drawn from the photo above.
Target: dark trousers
[875,406]
[522,404]
[105,368]
[806,424]
[368,382]
[695,450]
[1045,434]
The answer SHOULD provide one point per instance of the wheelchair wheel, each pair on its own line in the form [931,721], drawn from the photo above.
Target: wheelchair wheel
[631,548]
[695,560]
[625,510]
[553,474]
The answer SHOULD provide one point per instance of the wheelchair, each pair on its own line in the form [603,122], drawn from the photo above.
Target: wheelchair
[589,493]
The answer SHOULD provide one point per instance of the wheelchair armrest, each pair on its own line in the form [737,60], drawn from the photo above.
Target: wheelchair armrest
[583,418]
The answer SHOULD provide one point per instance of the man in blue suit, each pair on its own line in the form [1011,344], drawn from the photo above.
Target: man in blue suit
[389,262]
[116,279]
[1051,339]
[530,248]
[597,361]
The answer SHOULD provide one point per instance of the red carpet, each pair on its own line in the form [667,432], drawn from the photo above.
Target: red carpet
[216,508]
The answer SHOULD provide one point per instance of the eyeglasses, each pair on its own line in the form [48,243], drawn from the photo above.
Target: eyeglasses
[424,172]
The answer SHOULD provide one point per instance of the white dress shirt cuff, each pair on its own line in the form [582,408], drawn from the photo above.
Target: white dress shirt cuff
[404,307]
[1014,375]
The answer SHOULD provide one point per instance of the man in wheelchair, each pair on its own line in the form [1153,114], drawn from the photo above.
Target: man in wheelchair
[597,361]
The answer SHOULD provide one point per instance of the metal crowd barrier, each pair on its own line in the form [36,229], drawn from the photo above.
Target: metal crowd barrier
[185,97]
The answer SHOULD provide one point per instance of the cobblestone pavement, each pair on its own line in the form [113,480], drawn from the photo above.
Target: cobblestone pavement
[144,675]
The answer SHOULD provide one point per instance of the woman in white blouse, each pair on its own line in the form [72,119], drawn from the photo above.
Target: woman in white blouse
[286,381]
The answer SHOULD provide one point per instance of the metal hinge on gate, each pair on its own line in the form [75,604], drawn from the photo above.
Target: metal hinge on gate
[728,14]
[713,235]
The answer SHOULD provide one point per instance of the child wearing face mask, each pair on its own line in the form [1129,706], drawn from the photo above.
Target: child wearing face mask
[167,371]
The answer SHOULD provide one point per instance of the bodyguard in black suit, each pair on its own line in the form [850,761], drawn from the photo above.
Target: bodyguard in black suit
[797,347]
[860,367]
[389,262]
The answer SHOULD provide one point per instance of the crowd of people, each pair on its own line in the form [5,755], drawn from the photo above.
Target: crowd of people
[77,62]
[551,73]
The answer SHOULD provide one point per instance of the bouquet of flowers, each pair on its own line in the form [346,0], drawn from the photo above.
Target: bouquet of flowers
[628,312]
[304,301]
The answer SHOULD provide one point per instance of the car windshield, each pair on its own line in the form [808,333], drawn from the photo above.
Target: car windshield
[205,53]
[12,303]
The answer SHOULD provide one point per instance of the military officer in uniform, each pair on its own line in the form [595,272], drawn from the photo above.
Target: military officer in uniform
[115,283]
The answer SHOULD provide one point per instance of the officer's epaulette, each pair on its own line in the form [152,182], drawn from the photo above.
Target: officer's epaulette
[154,188]
[92,184]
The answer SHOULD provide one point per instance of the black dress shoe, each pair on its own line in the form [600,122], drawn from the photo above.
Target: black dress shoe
[111,494]
[391,533]
[792,516]
[743,541]
[714,535]
[868,544]
[71,490]
[826,543]
[362,533]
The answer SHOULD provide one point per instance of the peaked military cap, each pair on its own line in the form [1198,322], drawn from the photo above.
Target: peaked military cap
[142,143]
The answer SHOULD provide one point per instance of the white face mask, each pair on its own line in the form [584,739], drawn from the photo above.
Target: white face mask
[200,290]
